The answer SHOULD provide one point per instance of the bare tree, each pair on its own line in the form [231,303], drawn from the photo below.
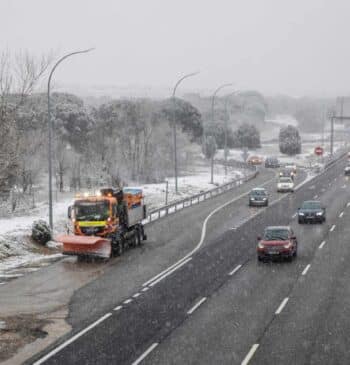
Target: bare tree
[19,75]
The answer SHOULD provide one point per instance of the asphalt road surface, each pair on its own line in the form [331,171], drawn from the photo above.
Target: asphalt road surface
[219,305]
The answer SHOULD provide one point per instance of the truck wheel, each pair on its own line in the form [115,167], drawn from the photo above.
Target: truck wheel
[118,248]
[138,238]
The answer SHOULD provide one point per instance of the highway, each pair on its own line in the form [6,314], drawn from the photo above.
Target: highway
[218,304]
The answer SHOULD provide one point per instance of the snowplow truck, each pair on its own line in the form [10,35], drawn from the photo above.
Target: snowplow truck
[105,224]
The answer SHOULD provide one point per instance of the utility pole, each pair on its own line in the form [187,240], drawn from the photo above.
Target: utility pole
[332,133]
[174,125]
[49,154]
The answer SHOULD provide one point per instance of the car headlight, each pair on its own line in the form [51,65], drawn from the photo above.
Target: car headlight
[264,199]
[261,245]
[251,198]
[301,213]
[319,213]
[287,245]
[279,186]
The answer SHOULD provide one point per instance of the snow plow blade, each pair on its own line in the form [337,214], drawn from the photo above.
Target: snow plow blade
[85,246]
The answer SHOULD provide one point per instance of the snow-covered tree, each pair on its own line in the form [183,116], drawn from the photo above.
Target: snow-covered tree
[246,135]
[209,146]
[289,140]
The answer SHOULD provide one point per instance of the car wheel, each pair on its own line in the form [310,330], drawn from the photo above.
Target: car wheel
[260,259]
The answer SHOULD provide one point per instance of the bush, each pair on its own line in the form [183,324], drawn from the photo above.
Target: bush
[289,140]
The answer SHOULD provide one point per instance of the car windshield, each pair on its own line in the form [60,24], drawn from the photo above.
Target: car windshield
[91,211]
[276,234]
[285,180]
[258,192]
[311,205]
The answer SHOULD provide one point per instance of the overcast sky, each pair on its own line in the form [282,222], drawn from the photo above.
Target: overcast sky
[296,47]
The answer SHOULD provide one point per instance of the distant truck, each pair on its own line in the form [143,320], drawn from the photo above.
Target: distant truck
[106,223]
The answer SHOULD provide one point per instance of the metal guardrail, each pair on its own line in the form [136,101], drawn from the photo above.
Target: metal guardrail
[197,198]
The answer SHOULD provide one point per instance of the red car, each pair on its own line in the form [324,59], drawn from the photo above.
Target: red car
[277,242]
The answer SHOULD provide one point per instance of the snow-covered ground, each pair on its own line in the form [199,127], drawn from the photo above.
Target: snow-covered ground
[18,253]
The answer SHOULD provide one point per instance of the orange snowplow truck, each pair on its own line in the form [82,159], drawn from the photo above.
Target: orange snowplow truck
[105,224]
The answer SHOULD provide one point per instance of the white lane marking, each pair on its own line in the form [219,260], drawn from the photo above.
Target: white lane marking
[118,308]
[145,289]
[341,214]
[348,205]
[315,197]
[9,276]
[294,215]
[170,272]
[306,269]
[250,354]
[204,229]
[197,305]
[321,245]
[75,337]
[2,283]
[127,301]
[332,228]
[235,270]
[146,353]
[282,305]
[136,295]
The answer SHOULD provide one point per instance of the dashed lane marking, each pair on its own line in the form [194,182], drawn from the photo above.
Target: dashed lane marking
[127,301]
[145,354]
[197,305]
[294,215]
[250,354]
[136,295]
[118,308]
[145,289]
[322,244]
[282,305]
[235,270]
[306,269]
[332,228]
[341,214]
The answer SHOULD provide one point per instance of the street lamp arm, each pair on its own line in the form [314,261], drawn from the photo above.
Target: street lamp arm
[62,59]
[183,78]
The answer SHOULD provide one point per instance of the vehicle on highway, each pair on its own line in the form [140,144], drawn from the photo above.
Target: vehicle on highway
[285,184]
[272,162]
[347,170]
[311,211]
[277,242]
[286,173]
[258,197]
[292,167]
[105,223]
[255,160]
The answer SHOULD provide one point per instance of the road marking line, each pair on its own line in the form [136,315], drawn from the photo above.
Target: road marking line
[136,295]
[127,301]
[148,351]
[250,354]
[170,272]
[306,269]
[72,339]
[282,305]
[118,308]
[2,283]
[235,270]
[145,289]
[204,229]
[348,205]
[332,228]
[321,245]
[197,305]
[316,196]
[294,215]
[341,214]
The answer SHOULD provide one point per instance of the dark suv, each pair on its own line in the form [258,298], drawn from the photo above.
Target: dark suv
[311,211]
[272,162]
[258,197]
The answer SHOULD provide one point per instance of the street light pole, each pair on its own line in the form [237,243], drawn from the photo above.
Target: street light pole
[50,129]
[212,116]
[174,125]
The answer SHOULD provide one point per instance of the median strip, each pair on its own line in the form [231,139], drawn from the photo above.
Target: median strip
[250,354]
[282,305]
[197,305]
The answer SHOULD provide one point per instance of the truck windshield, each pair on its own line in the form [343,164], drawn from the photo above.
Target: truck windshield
[91,211]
